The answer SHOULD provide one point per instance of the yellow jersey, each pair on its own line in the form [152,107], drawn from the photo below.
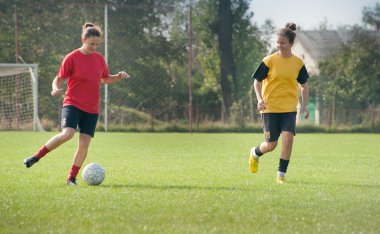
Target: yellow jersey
[280,77]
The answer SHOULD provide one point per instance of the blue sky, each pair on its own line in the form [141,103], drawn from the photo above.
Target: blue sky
[308,14]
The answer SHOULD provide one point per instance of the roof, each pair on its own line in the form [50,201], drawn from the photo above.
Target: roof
[322,44]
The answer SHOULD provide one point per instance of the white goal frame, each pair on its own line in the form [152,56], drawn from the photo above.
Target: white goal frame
[33,70]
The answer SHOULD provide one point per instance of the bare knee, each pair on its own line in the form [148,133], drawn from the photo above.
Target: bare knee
[66,134]
[84,140]
[269,146]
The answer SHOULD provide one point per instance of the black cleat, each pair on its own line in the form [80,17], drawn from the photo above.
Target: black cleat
[30,161]
[72,181]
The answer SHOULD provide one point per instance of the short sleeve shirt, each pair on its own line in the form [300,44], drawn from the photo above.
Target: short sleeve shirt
[84,74]
[280,77]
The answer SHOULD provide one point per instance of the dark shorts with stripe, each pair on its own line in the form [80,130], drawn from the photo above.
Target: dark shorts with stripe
[73,117]
[275,123]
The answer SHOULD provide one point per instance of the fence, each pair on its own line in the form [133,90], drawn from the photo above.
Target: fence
[151,41]
[136,39]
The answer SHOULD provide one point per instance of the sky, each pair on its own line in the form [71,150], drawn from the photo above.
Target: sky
[309,14]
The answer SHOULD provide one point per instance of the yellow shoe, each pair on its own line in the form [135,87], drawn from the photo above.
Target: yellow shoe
[253,164]
[280,179]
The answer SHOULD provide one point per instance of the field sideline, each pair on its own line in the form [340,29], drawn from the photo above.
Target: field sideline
[192,183]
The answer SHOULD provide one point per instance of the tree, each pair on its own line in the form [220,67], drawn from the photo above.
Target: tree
[148,39]
[363,67]
[227,51]
[267,31]
[223,30]
[138,42]
[371,16]
[351,78]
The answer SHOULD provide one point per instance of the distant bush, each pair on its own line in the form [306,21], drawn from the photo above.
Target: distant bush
[216,127]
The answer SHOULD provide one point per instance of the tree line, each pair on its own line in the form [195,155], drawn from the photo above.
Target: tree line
[350,79]
[150,39]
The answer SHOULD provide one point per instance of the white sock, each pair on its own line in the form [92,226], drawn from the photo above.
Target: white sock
[253,153]
[281,174]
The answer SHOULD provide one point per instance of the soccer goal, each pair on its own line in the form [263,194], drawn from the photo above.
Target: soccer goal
[19,97]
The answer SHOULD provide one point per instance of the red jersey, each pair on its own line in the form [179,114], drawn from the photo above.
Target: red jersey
[84,73]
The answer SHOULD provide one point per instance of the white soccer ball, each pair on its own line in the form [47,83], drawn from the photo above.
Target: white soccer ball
[93,174]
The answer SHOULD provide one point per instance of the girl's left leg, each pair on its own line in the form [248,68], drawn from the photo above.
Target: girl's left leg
[79,157]
[286,152]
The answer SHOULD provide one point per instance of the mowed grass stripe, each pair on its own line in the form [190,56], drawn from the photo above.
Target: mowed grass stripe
[192,183]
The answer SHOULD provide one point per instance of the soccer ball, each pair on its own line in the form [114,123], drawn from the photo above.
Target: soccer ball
[93,174]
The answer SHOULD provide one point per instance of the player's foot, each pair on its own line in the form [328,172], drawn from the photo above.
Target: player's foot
[253,163]
[280,179]
[71,181]
[30,161]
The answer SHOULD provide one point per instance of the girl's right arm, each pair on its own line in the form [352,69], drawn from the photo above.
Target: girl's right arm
[55,86]
[260,102]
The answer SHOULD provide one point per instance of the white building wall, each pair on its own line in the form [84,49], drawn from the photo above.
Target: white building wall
[312,68]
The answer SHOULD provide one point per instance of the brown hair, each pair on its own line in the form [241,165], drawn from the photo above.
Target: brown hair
[288,32]
[91,30]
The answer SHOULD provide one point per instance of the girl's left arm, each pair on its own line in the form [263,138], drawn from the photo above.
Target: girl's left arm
[305,98]
[115,78]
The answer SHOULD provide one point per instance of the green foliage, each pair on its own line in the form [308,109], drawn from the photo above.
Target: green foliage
[131,116]
[352,77]
[148,39]
[192,183]
[248,50]
[372,15]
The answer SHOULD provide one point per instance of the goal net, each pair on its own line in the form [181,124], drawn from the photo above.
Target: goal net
[19,97]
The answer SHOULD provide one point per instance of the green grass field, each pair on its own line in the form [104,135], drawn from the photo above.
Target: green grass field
[199,183]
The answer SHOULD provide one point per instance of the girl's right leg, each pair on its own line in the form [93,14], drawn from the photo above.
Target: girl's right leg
[272,132]
[59,139]
[266,147]
[258,151]
[53,143]
[70,118]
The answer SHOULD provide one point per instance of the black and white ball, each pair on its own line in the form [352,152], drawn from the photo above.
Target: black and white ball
[93,174]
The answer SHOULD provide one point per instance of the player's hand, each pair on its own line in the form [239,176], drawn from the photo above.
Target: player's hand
[261,105]
[123,75]
[305,113]
[56,92]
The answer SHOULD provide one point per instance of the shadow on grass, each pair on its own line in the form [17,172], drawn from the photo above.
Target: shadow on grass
[174,187]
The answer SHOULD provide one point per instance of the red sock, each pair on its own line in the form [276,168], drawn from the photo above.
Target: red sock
[41,152]
[73,172]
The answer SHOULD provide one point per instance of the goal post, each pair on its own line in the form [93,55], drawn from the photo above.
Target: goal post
[19,97]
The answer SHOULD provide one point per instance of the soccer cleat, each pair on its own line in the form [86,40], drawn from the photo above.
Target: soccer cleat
[71,181]
[280,179]
[30,161]
[253,164]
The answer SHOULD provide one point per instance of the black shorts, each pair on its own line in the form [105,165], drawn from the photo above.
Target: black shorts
[73,117]
[275,123]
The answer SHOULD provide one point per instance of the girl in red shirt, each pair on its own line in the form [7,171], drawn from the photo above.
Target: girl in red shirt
[85,69]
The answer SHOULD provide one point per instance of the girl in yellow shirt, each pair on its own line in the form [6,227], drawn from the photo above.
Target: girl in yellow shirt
[276,83]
